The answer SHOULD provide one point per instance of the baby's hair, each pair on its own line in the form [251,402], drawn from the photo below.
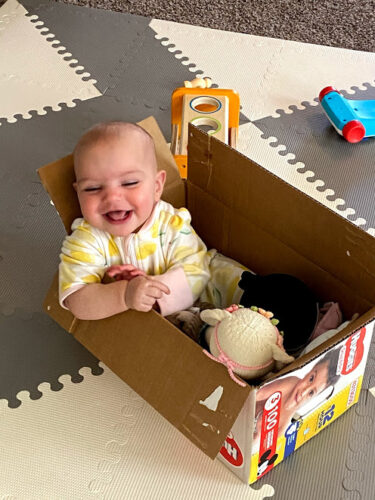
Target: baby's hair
[106,130]
[332,358]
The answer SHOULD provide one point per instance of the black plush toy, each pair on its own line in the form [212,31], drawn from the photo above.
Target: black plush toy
[289,299]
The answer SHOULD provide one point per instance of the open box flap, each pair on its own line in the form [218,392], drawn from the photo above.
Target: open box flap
[58,178]
[165,367]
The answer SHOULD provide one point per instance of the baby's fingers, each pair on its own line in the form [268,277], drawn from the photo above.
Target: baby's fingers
[137,272]
[159,285]
[155,293]
[146,304]
[114,270]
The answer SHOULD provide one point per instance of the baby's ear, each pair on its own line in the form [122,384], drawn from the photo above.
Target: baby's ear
[159,183]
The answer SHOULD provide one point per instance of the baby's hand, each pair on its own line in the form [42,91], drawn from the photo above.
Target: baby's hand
[124,272]
[143,291]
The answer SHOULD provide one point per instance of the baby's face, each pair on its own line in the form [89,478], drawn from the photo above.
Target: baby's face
[117,183]
[312,384]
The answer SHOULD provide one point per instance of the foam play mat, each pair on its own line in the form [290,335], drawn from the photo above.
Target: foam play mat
[70,428]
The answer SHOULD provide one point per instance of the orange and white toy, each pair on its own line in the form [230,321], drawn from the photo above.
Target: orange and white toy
[217,111]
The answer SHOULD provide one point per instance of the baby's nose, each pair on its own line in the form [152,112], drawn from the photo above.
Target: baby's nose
[112,194]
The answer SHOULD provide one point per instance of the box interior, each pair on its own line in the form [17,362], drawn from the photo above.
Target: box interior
[253,216]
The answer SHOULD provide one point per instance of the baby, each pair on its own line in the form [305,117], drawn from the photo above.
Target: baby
[146,244]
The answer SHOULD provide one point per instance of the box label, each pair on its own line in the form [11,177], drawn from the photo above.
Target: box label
[231,451]
[292,409]
[269,432]
[353,351]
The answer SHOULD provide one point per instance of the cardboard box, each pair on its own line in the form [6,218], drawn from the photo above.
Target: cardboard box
[254,217]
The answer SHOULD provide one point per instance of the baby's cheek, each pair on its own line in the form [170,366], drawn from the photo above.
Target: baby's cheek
[140,198]
[91,204]
[83,201]
[89,210]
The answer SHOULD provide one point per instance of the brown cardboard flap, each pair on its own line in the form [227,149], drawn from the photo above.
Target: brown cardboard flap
[52,307]
[174,189]
[58,178]
[165,367]
[255,217]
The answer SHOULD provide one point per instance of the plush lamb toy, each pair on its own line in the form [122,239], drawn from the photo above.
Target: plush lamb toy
[246,340]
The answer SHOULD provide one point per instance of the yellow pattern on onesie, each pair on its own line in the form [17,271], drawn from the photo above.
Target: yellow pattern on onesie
[165,241]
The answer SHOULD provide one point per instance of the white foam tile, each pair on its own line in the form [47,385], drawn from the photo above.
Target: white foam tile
[268,73]
[98,439]
[33,74]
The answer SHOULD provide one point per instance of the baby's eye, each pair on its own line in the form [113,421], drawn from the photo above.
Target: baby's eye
[130,183]
[91,189]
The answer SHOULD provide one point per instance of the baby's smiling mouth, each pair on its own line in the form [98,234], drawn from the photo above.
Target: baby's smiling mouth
[117,216]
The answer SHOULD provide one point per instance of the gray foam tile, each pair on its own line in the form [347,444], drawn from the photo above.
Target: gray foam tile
[346,168]
[360,459]
[102,41]
[34,349]
[152,74]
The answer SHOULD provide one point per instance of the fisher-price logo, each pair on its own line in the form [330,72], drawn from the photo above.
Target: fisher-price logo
[231,451]
[352,352]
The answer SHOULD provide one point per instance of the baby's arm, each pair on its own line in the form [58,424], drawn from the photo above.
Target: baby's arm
[81,270]
[187,264]
[97,300]
[124,272]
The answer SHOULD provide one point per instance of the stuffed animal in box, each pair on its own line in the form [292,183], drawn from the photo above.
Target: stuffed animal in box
[246,340]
